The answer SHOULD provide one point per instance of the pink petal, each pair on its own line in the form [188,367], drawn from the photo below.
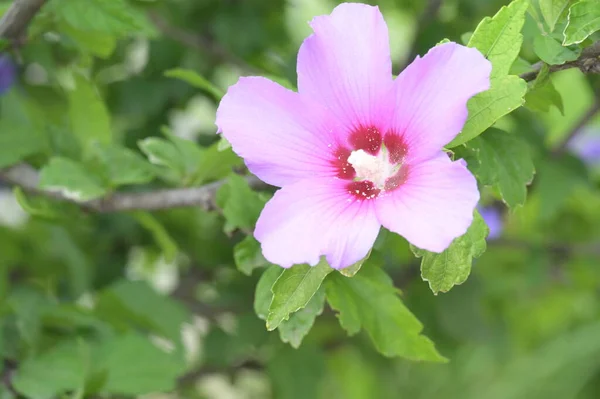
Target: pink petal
[316,217]
[432,94]
[282,137]
[346,66]
[433,206]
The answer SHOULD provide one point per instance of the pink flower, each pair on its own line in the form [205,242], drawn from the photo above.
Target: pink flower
[355,149]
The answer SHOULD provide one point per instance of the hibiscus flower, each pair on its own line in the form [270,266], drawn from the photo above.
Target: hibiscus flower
[355,149]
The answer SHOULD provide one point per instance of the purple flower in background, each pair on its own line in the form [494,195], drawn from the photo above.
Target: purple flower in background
[354,148]
[7,73]
[587,145]
[493,218]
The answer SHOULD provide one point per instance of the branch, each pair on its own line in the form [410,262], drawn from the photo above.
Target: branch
[588,62]
[27,178]
[15,20]
[198,42]
[578,128]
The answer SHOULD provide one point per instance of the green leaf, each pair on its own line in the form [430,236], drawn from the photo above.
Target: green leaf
[195,80]
[89,117]
[215,164]
[163,153]
[505,95]
[240,205]
[296,374]
[499,38]
[61,368]
[107,16]
[542,93]
[263,295]
[99,44]
[123,166]
[136,366]
[293,290]
[453,266]
[369,300]
[502,160]
[552,10]
[294,330]
[552,52]
[19,135]
[351,270]
[160,234]
[223,144]
[71,179]
[248,256]
[583,20]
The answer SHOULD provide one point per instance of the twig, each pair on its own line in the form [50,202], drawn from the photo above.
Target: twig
[15,20]
[198,42]
[578,128]
[27,178]
[588,62]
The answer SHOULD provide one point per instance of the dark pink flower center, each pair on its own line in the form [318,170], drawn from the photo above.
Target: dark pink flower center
[373,163]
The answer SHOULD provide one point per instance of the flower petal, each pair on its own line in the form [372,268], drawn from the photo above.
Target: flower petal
[311,218]
[433,206]
[282,137]
[346,65]
[432,95]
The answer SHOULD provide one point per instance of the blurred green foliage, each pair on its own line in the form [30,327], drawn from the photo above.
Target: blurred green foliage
[119,96]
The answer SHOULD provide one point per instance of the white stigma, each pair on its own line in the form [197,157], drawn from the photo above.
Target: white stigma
[375,168]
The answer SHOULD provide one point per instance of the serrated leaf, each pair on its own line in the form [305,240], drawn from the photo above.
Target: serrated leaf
[160,234]
[552,52]
[542,93]
[350,271]
[60,369]
[163,153]
[19,135]
[505,95]
[502,160]
[215,164]
[452,267]
[123,166]
[583,20]
[71,179]
[99,44]
[293,290]
[499,38]
[89,117]
[263,296]
[196,80]
[241,205]
[552,10]
[248,256]
[136,366]
[294,330]
[370,301]
[108,16]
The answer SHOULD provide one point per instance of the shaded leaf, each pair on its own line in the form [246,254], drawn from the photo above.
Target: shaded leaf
[294,330]
[240,204]
[552,52]
[370,301]
[89,117]
[293,290]
[248,255]
[452,267]
[542,94]
[505,95]
[502,160]
[552,10]
[196,80]
[160,234]
[263,296]
[123,166]
[71,179]
[583,20]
